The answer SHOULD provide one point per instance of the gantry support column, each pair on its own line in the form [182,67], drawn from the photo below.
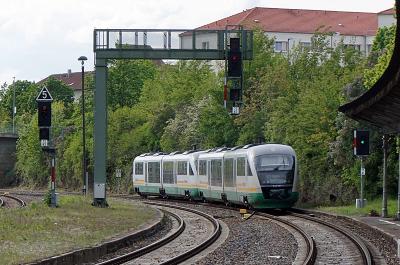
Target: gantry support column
[384,184]
[100,134]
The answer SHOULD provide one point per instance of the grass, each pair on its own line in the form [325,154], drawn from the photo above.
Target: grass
[372,205]
[37,231]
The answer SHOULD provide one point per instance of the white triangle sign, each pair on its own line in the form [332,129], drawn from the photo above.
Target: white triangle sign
[44,95]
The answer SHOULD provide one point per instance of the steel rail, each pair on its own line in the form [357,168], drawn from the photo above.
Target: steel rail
[20,201]
[311,248]
[151,247]
[362,247]
[192,252]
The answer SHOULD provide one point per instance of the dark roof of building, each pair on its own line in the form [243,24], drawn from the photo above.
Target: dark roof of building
[380,105]
[72,79]
[389,11]
[301,21]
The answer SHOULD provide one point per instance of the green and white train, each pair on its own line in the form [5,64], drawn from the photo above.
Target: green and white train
[260,176]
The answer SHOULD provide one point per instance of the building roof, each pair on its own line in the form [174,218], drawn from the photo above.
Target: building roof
[301,21]
[72,79]
[380,105]
[389,11]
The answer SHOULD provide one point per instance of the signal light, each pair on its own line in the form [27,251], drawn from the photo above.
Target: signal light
[44,133]
[234,58]
[234,94]
[361,143]
[44,114]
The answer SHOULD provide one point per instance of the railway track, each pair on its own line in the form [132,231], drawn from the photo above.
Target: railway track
[178,244]
[9,201]
[311,249]
[324,242]
[335,244]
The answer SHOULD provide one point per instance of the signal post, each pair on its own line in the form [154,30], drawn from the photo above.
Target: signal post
[361,149]
[44,100]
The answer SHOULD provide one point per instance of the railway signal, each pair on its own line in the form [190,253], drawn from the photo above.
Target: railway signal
[234,58]
[44,100]
[361,143]
[361,149]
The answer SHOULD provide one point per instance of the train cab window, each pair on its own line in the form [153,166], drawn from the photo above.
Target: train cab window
[241,166]
[168,172]
[138,168]
[153,172]
[216,172]
[182,167]
[202,167]
[229,180]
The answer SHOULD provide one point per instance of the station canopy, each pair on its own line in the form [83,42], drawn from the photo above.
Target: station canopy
[380,105]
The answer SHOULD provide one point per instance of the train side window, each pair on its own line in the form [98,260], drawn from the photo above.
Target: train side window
[154,172]
[216,172]
[241,166]
[248,169]
[139,168]
[168,172]
[202,167]
[228,173]
[146,174]
[182,167]
[190,170]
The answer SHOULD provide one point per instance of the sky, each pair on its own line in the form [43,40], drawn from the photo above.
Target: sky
[44,37]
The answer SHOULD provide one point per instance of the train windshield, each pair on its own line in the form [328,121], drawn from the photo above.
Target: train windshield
[275,169]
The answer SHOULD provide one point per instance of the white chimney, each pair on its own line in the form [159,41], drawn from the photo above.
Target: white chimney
[69,73]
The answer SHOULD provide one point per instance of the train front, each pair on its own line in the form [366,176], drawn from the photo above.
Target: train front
[276,169]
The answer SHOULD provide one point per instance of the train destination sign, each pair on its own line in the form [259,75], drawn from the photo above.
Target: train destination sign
[44,95]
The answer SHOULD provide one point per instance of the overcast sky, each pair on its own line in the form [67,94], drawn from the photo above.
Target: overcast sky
[43,37]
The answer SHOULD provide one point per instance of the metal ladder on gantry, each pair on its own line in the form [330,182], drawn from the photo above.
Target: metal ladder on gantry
[155,44]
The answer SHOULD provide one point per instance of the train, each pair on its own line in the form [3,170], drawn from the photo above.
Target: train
[259,176]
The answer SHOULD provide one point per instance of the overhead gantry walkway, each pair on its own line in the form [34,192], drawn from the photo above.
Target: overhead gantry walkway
[170,44]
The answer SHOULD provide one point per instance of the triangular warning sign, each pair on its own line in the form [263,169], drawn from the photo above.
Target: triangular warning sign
[44,95]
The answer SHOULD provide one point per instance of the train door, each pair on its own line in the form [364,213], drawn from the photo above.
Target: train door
[202,181]
[216,178]
[209,178]
[229,179]
[241,180]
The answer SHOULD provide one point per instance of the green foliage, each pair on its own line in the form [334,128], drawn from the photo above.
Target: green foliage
[383,47]
[288,98]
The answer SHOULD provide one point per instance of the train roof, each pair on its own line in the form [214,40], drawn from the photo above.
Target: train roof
[254,149]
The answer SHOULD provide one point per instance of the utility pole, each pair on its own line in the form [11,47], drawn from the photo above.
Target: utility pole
[14,111]
[398,185]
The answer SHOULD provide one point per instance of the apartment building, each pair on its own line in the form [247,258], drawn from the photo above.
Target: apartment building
[292,27]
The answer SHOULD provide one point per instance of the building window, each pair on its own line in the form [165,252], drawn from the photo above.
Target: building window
[356,47]
[369,48]
[281,46]
[305,45]
[205,45]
